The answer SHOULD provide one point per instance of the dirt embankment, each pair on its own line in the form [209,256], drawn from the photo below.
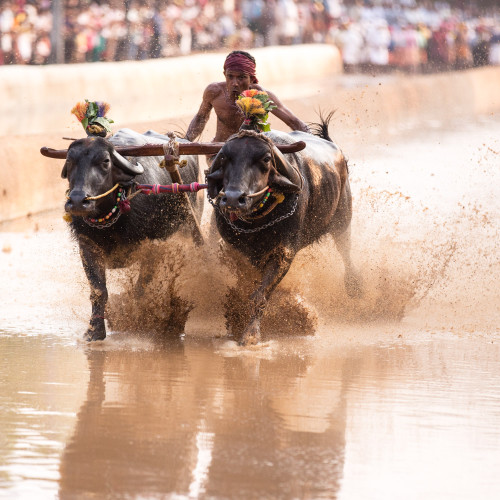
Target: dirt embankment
[165,94]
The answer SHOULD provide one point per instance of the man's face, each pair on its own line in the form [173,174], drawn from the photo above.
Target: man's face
[237,82]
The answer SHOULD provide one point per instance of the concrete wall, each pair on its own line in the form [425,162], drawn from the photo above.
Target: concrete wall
[144,95]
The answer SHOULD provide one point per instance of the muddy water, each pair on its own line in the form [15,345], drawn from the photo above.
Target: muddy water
[395,395]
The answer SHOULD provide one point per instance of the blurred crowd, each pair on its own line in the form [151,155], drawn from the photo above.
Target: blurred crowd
[374,35]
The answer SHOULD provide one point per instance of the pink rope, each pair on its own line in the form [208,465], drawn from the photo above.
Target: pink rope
[170,188]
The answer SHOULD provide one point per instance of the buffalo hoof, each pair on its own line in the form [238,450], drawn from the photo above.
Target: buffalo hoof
[353,286]
[251,337]
[93,334]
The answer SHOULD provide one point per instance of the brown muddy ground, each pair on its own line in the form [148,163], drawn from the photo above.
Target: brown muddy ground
[394,395]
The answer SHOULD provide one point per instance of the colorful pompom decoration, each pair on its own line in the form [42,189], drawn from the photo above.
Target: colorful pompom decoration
[92,116]
[255,105]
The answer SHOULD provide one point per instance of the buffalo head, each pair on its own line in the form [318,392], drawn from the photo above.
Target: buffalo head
[247,164]
[92,168]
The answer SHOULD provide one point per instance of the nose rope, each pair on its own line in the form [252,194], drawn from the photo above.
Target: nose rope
[262,191]
[98,196]
[104,194]
[252,195]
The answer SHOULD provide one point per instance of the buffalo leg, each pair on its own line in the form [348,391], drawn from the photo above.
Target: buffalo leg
[147,270]
[273,271]
[352,280]
[341,231]
[93,264]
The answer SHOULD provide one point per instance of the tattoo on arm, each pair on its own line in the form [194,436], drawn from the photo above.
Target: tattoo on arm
[196,127]
[201,118]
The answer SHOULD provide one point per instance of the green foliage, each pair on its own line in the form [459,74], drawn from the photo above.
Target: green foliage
[104,122]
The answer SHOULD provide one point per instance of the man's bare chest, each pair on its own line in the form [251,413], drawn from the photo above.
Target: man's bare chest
[227,111]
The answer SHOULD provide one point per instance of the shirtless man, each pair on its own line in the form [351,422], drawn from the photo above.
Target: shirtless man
[239,70]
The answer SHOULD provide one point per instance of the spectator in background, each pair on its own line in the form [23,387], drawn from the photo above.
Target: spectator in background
[287,15]
[320,20]
[253,11]
[95,30]
[423,36]
[411,51]
[481,47]
[350,41]
[307,33]
[463,54]
[378,39]
[42,49]
[438,50]
[23,38]
[495,47]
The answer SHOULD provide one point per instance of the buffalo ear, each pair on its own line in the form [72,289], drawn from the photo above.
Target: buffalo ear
[215,177]
[126,166]
[292,179]
[214,181]
[64,173]
[282,184]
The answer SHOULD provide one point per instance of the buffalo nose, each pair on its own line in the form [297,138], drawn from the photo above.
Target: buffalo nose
[234,199]
[77,200]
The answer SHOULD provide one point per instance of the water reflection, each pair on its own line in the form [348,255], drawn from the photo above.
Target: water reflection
[189,421]
[335,416]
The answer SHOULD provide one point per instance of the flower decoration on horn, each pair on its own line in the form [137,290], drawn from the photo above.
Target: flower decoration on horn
[255,105]
[92,116]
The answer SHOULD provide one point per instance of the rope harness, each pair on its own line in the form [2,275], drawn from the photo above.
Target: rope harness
[171,162]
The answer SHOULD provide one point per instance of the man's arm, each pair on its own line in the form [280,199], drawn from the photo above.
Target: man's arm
[286,116]
[201,118]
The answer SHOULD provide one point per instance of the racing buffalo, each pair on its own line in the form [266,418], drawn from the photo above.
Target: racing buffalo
[107,225]
[269,205]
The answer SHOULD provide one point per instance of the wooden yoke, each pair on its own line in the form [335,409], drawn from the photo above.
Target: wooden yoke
[185,148]
[170,162]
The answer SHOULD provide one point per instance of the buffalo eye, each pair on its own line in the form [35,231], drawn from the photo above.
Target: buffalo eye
[105,163]
[265,163]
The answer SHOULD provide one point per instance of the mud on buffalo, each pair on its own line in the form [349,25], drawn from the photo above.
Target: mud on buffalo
[106,225]
[269,205]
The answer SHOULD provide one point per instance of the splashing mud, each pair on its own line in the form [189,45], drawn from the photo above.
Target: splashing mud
[185,276]
[157,306]
[425,236]
[205,284]
[425,242]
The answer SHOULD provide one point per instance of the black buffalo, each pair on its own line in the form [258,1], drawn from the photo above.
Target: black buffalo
[309,197]
[109,228]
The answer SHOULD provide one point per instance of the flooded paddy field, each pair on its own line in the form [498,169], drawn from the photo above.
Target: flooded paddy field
[393,395]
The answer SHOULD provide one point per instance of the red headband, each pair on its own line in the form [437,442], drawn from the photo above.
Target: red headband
[240,63]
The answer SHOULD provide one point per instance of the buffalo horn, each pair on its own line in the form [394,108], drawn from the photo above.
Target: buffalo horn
[125,165]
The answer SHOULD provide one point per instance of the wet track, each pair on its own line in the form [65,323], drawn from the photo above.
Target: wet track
[394,395]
